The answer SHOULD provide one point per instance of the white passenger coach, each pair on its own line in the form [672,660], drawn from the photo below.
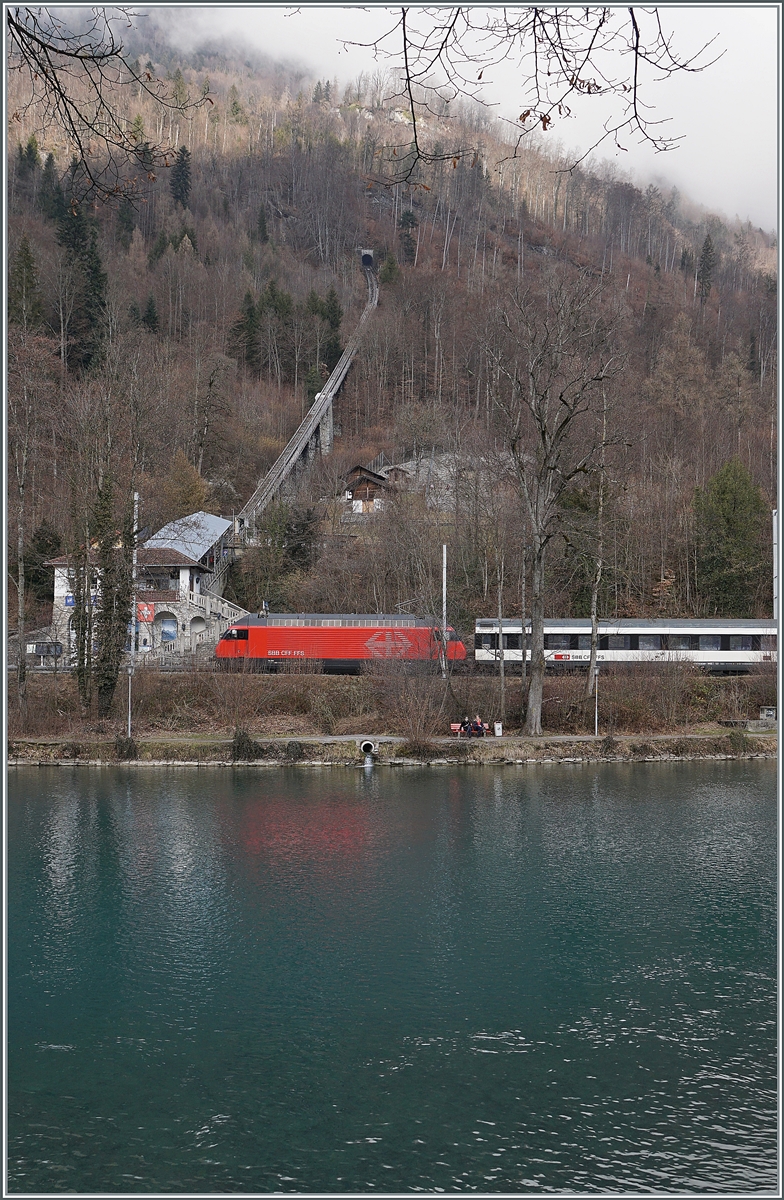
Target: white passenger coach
[719,646]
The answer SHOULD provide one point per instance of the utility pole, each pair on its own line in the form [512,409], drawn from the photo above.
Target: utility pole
[775,564]
[596,701]
[443,611]
[132,663]
[501,674]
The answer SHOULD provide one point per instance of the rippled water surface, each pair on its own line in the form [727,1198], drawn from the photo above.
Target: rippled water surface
[471,979]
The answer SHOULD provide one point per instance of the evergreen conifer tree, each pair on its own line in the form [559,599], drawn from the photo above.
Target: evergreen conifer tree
[331,351]
[114,598]
[159,248]
[260,234]
[29,158]
[31,153]
[312,384]
[145,156]
[181,177]
[50,194]
[179,90]
[408,222]
[705,269]
[733,555]
[137,130]
[244,334]
[79,237]
[333,313]
[314,304]
[390,271]
[276,301]
[752,364]
[24,297]
[236,111]
[81,580]
[126,223]
[44,544]
[149,317]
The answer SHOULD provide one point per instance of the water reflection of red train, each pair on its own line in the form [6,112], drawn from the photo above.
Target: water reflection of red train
[330,833]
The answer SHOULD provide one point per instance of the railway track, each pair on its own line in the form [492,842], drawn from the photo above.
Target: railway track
[315,430]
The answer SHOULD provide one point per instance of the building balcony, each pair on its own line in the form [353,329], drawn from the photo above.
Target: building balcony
[154,596]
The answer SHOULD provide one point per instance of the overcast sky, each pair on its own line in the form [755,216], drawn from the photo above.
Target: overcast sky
[728,114]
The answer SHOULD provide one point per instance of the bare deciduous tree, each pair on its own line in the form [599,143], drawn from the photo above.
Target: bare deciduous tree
[29,384]
[208,401]
[558,350]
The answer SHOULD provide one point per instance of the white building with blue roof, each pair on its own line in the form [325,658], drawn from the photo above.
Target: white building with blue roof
[179,608]
[201,536]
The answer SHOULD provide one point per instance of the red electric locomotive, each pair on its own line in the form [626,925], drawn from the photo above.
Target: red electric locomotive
[340,642]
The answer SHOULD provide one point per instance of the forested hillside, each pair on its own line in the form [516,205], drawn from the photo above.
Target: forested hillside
[172,344]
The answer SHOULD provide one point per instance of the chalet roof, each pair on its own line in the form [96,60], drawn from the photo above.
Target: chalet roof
[145,557]
[193,535]
[361,472]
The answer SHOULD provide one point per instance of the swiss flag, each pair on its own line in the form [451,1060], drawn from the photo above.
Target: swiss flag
[145,612]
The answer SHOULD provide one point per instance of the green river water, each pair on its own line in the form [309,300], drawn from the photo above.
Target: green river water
[523,979]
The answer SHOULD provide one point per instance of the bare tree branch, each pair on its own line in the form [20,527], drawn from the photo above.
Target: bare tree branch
[70,79]
[561,53]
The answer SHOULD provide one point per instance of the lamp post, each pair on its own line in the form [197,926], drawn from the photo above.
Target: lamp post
[443,611]
[130,677]
[132,663]
[596,701]
[775,564]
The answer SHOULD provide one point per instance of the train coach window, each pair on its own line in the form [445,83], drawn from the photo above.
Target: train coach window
[710,641]
[235,635]
[486,641]
[583,641]
[511,641]
[557,641]
[768,641]
[678,641]
[618,641]
[740,641]
[650,641]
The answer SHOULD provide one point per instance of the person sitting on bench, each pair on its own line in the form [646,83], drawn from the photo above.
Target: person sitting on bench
[478,727]
[465,728]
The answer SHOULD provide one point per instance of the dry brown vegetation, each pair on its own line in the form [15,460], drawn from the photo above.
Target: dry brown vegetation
[413,707]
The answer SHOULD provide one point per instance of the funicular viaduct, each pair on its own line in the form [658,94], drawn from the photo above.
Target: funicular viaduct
[315,434]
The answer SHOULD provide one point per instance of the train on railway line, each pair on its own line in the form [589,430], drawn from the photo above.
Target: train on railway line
[338,642]
[719,646]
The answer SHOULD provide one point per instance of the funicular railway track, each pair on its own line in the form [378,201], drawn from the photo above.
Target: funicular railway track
[316,428]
